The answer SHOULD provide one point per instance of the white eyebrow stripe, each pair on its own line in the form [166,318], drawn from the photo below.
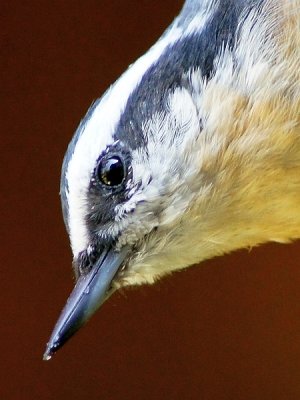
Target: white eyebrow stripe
[98,133]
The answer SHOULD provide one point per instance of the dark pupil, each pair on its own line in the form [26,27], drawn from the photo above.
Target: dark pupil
[111,171]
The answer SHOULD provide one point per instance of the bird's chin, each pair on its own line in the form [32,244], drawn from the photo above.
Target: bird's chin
[135,273]
[129,273]
[134,270]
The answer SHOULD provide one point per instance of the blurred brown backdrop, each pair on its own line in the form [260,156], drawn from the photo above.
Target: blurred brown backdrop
[229,329]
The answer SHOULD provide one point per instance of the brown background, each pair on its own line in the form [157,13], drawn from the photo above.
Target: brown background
[229,329]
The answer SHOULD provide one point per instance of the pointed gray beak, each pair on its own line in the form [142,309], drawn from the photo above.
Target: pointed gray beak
[91,290]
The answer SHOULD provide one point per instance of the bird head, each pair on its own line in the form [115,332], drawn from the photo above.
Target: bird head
[134,190]
[166,168]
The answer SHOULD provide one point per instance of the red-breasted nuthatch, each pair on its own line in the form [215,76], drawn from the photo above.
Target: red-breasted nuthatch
[192,153]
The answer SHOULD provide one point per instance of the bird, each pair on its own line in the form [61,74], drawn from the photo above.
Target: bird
[192,153]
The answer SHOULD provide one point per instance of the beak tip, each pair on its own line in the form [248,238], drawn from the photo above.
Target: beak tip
[48,353]
[51,348]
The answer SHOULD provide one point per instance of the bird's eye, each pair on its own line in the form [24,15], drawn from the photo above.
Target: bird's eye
[111,171]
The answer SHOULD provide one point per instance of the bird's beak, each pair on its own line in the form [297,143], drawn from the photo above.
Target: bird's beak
[90,292]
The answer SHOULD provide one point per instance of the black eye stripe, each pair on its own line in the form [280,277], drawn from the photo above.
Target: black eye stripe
[111,185]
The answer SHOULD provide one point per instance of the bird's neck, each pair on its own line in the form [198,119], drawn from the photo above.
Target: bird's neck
[250,145]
